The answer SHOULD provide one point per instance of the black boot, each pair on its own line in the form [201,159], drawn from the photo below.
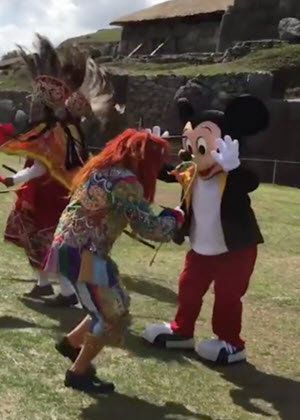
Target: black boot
[40,291]
[87,383]
[65,348]
[60,301]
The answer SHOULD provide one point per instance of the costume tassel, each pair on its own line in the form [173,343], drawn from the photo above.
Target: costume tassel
[186,193]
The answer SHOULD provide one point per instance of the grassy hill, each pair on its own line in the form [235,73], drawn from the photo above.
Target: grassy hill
[93,39]
[17,79]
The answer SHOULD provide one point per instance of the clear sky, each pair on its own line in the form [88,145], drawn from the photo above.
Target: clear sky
[59,19]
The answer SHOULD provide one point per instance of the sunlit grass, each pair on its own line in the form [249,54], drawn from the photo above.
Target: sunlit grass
[153,384]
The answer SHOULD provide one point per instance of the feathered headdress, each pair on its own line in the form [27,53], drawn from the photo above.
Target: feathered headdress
[46,72]
[54,78]
[72,81]
[97,88]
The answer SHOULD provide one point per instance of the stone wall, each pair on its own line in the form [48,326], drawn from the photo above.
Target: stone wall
[182,36]
[245,20]
[242,48]
[20,99]
[279,142]
[14,107]
[173,59]
[254,19]
[108,49]
[289,8]
[153,97]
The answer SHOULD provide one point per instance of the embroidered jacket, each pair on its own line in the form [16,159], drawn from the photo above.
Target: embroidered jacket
[101,208]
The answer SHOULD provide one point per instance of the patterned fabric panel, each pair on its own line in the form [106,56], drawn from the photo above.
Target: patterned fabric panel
[101,208]
[22,231]
[127,200]
[97,283]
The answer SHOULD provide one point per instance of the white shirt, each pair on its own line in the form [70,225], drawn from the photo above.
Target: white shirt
[206,235]
[34,171]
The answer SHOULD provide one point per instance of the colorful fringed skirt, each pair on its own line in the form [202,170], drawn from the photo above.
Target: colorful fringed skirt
[97,283]
[21,230]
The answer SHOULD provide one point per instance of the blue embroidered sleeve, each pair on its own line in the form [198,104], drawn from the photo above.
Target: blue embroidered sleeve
[127,198]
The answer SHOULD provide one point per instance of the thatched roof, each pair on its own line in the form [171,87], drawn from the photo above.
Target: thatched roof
[9,63]
[176,9]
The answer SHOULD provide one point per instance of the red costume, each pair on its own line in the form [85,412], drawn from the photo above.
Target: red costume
[54,150]
[35,215]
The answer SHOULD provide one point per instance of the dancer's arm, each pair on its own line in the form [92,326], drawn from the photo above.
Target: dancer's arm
[128,199]
[25,175]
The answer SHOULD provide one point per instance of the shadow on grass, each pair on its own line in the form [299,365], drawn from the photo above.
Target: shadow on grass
[141,348]
[67,318]
[150,288]
[118,406]
[11,323]
[283,394]
[22,280]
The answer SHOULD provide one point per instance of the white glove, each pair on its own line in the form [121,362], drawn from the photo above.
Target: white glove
[179,209]
[228,155]
[156,131]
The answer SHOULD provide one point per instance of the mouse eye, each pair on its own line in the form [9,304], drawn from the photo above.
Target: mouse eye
[187,145]
[201,146]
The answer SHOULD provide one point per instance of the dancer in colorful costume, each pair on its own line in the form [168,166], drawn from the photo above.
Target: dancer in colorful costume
[54,150]
[222,227]
[113,189]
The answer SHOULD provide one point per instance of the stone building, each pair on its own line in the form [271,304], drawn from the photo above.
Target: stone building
[181,26]
[254,20]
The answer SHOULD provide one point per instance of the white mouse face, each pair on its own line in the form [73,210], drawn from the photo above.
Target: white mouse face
[200,142]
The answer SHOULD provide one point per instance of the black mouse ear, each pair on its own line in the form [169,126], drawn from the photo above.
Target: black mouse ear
[246,116]
[186,111]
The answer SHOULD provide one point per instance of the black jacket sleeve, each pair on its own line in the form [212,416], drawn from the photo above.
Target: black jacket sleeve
[164,174]
[242,180]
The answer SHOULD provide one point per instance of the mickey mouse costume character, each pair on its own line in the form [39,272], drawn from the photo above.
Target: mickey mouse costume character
[222,227]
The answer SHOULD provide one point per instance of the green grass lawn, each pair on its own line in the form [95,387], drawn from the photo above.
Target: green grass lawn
[153,384]
[282,58]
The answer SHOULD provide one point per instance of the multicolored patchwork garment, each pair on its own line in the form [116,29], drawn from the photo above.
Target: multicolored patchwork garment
[96,216]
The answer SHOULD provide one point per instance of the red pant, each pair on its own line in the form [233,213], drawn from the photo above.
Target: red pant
[231,273]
